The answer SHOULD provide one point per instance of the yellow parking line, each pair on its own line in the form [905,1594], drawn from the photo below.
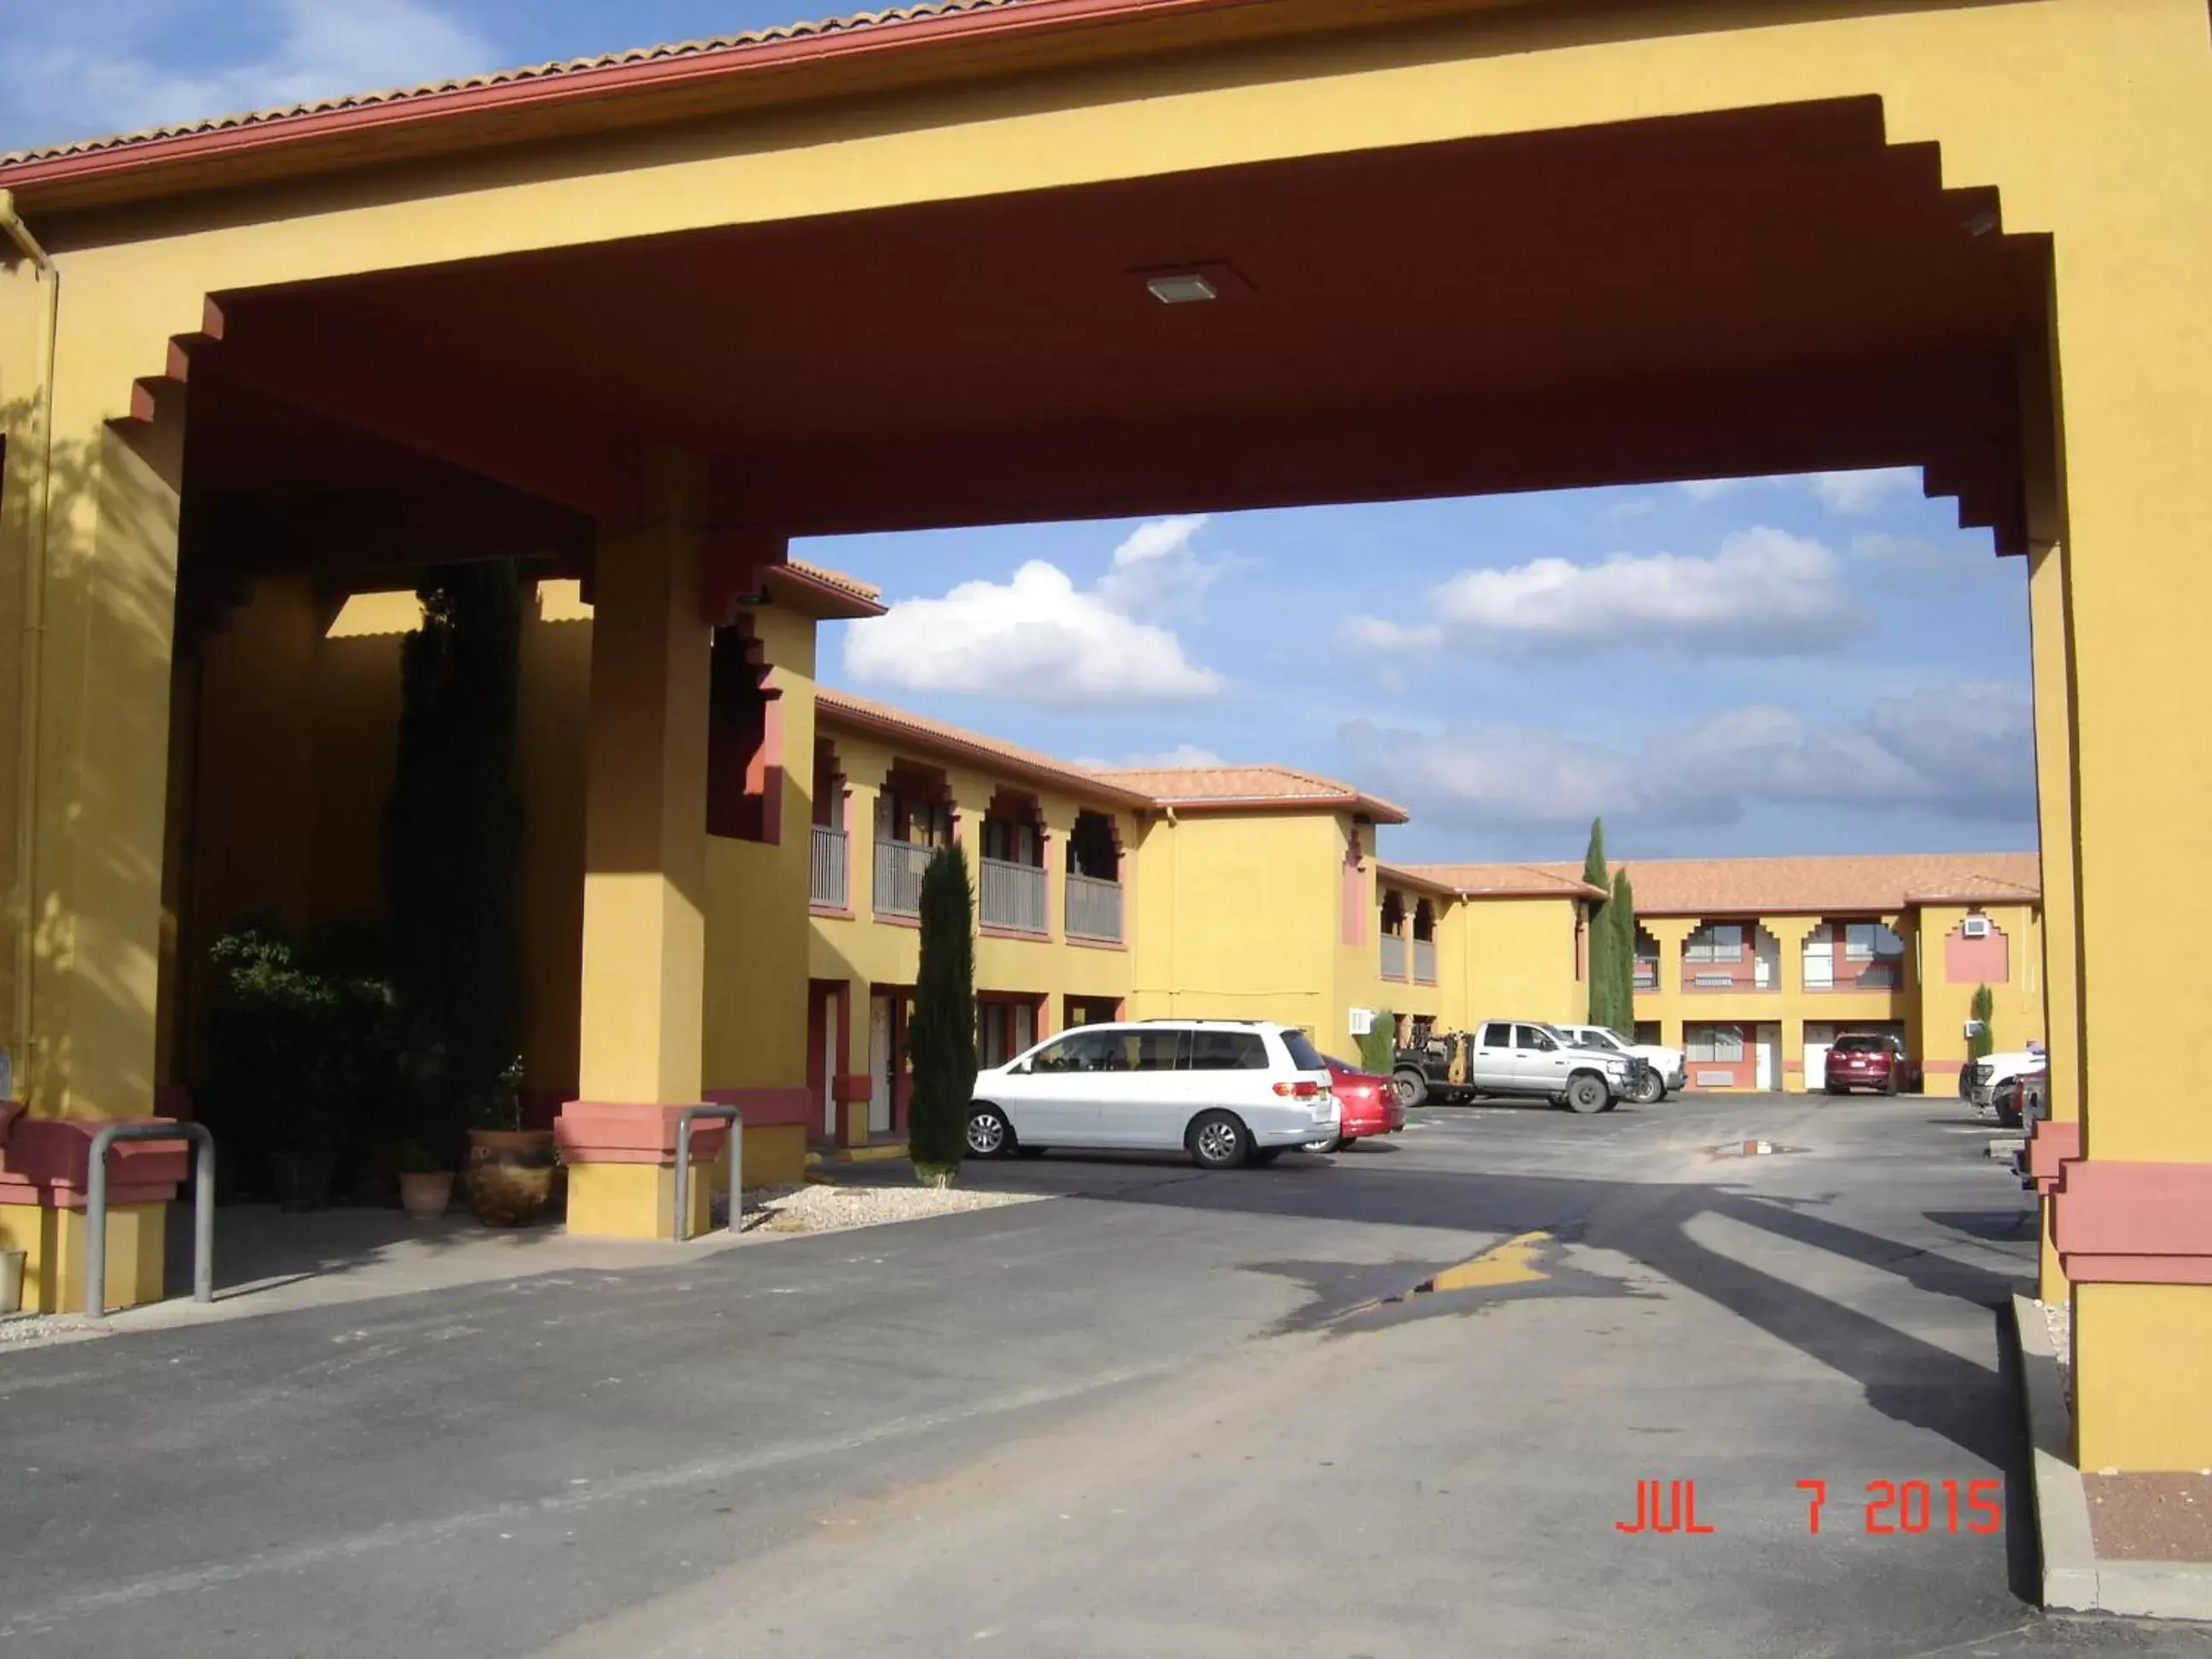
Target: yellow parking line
[1513,1262]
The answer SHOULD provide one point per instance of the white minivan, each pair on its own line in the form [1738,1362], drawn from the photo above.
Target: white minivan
[1228,1092]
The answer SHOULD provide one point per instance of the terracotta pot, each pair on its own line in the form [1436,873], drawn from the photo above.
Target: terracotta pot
[509,1180]
[426,1194]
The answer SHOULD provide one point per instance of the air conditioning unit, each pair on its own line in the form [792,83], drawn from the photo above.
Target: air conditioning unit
[1977,927]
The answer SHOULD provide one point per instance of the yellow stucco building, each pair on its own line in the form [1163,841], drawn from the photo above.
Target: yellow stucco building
[647,317]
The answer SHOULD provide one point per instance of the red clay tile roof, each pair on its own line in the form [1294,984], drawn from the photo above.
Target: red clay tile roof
[833,593]
[1217,789]
[710,46]
[1873,882]
[834,708]
[1501,880]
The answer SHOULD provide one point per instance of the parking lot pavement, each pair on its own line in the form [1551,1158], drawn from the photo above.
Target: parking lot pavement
[1172,1413]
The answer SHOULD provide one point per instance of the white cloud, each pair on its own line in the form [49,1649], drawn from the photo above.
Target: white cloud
[105,66]
[1912,560]
[1155,573]
[1710,489]
[1766,592]
[1374,633]
[1964,751]
[1042,638]
[1184,754]
[1854,494]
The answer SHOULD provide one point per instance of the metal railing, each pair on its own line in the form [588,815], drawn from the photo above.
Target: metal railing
[1393,956]
[1424,961]
[1011,896]
[95,1207]
[1094,908]
[827,868]
[899,864]
[684,1120]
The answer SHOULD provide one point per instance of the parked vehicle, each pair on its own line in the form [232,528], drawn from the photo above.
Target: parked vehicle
[1978,1080]
[1670,1067]
[1871,1060]
[1366,1105]
[1524,1058]
[1228,1092]
[2022,1098]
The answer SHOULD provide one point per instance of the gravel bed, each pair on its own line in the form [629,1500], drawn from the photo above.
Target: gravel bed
[2058,1320]
[26,1328]
[822,1207]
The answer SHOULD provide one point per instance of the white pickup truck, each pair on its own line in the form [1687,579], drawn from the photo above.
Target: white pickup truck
[1978,1080]
[1669,1067]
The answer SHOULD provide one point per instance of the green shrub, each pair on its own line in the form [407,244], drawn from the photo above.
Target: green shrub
[941,1040]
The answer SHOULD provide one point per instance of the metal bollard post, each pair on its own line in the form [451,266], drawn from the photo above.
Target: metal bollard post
[684,1120]
[95,1207]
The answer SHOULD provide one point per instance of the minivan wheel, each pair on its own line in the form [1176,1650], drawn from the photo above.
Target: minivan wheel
[1412,1089]
[1651,1091]
[1218,1141]
[989,1135]
[1588,1094]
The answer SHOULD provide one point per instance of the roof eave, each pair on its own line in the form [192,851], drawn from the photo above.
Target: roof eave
[417,125]
[921,739]
[825,600]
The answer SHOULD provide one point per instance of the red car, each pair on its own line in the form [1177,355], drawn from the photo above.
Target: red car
[1368,1105]
[1870,1059]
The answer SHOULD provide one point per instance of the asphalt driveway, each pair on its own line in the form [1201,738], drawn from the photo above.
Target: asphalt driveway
[1172,1413]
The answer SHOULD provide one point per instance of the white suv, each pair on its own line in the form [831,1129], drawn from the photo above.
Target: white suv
[1228,1092]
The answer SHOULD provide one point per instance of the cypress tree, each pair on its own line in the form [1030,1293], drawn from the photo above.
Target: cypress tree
[1979,1045]
[451,837]
[941,1041]
[1621,925]
[1603,991]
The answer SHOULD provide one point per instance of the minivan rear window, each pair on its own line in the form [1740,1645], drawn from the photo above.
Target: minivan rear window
[1303,1054]
[1227,1051]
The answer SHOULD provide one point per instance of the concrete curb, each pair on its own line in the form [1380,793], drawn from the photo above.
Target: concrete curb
[2074,1579]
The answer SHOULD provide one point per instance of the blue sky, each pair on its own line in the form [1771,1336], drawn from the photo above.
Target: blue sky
[1779,665]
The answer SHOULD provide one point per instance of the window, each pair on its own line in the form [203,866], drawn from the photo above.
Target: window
[1227,1051]
[1865,940]
[1012,842]
[1722,942]
[1597,1036]
[1303,1054]
[1497,1035]
[1085,1051]
[1859,1044]
[1003,1030]
[1715,1045]
[1160,1051]
[1533,1037]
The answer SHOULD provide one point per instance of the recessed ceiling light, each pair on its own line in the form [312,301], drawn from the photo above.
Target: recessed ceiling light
[1182,289]
[1983,223]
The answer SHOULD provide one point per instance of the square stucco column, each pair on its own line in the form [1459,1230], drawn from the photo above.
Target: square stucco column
[640,1050]
[2055,1140]
[2134,1213]
[1790,933]
[88,600]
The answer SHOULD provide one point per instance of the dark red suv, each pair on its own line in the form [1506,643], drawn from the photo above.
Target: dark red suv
[1870,1059]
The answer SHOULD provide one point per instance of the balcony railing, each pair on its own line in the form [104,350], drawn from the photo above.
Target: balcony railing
[1424,961]
[1393,956]
[1011,896]
[1094,908]
[826,873]
[899,864]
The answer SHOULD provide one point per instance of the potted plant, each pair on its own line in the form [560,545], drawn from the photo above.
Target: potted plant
[286,1042]
[509,1182]
[426,1191]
